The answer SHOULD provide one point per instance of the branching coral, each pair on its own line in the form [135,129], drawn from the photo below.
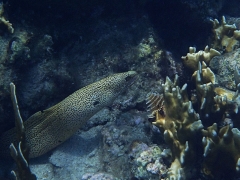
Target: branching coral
[221,151]
[183,129]
[192,58]
[226,36]
[181,126]
[221,147]
[204,79]
[179,123]
[4,21]
[20,150]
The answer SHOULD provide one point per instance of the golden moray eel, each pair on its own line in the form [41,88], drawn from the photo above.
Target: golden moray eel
[47,129]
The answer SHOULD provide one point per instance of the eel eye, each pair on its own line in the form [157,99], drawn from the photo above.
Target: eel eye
[128,78]
[96,103]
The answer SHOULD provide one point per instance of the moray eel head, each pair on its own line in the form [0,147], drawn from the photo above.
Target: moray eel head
[48,128]
[120,80]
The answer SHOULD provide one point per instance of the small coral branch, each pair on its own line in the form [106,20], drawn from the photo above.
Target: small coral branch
[226,36]
[20,151]
[4,21]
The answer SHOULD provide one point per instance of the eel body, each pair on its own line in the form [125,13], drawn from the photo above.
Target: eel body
[47,129]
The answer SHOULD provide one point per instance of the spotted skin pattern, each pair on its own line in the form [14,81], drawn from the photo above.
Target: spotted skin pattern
[47,129]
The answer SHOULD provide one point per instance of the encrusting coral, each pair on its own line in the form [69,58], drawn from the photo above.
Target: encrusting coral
[4,21]
[226,36]
[147,161]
